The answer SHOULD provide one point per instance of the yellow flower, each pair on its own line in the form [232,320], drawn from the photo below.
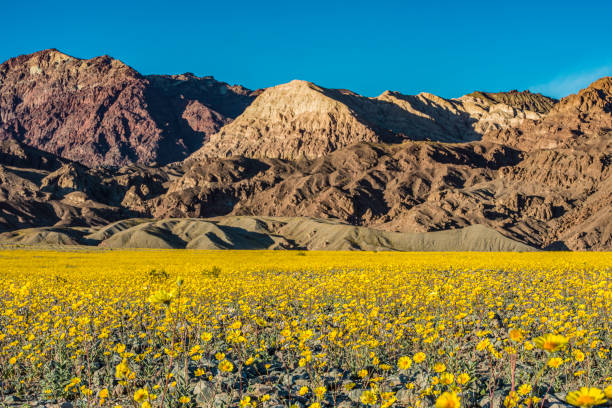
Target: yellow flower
[329,309]
[388,402]
[362,373]
[314,405]
[303,391]
[463,378]
[419,357]
[162,297]
[578,355]
[586,397]
[447,379]
[74,381]
[245,402]
[483,344]
[141,395]
[220,356]
[608,391]
[439,367]
[511,400]
[386,396]
[145,404]
[448,400]
[550,342]
[516,335]
[320,392]
[524,389]
[555,362]
[368,398]
[122,370]
[226,366]
[184,399]
[404,363]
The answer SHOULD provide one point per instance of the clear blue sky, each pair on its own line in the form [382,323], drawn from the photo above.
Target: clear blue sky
[445,47]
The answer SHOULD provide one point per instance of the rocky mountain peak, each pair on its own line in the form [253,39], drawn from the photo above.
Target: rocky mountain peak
[596,98]
[524,100]
[100,111]
[54,67]
[577,121]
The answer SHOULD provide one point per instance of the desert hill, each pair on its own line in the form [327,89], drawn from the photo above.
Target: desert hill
[524,100]
[302,120]
[39,189]
[579,120]
[102,112]
[260,233]
[530,168]
[541,199]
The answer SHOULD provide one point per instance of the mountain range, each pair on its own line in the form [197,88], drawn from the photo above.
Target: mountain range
[87,143]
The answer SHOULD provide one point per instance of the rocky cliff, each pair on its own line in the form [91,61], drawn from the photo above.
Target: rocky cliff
[102,112]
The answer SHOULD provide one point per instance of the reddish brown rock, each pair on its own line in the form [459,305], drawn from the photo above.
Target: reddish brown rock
[102,112]
[577,120]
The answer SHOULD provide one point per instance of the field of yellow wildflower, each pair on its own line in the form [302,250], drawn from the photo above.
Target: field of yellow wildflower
[305,329]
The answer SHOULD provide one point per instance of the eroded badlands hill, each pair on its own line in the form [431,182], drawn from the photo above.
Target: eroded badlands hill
[302,120]
[534,170]
[583,119]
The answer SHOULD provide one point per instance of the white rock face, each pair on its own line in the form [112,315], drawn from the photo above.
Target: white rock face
[288,121]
